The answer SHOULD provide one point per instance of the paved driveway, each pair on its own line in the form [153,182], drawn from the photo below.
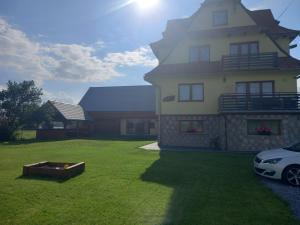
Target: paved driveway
[288,193]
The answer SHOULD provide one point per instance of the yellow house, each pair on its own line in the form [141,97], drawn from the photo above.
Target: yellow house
[226,80]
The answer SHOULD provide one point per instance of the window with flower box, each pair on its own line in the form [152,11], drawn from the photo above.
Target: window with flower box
[264,127]
[191,126]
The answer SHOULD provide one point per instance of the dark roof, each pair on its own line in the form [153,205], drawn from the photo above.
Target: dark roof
[70,112]
[186,68]
[119,99]
[284,63]
[289,63]
[265,19]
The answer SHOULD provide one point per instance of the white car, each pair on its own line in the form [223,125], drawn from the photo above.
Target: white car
[281,164]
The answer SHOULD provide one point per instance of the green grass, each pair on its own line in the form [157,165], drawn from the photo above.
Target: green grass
[25,134]
[123,184]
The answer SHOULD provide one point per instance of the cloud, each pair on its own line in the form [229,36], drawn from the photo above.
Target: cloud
[132,58]
[60,96]
[68,62]
[2,87]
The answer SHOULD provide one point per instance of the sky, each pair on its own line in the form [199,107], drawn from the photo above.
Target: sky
[67,46]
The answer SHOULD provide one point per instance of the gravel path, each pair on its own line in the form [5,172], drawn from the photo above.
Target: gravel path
[289,193]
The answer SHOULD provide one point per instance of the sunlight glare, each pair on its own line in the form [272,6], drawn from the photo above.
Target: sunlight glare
[146,4]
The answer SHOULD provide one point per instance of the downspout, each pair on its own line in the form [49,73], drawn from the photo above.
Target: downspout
[159,112]
[225,124]
[226,135]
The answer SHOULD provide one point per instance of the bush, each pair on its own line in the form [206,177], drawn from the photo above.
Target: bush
[6,134]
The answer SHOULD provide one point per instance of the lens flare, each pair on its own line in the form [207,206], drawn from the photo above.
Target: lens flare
[146,4]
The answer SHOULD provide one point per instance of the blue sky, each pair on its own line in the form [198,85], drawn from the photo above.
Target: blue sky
[67,46]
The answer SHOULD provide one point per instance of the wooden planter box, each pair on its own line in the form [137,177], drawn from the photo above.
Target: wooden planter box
[54,169]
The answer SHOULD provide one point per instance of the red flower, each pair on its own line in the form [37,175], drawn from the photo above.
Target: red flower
[263,130]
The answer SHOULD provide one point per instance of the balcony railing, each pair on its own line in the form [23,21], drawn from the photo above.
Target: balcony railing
[273,102]
[250,62]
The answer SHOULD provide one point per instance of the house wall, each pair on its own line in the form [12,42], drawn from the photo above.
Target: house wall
[220,46]
[203,20]
[239,140]
[114,123]
[152,131]
[214,86]
[229,132]
[170,134]
[237,16]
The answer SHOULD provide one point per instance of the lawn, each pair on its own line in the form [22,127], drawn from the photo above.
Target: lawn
[123,184]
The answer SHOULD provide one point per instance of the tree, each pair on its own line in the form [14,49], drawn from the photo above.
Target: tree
[17,104]
[44,116]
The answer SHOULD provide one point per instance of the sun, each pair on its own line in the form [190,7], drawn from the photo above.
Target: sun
[146,4]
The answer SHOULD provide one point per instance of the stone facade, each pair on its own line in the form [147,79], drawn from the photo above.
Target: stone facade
[239,140]
[170,134]
[228,132]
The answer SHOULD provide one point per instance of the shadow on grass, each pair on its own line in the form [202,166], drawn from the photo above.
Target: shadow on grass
[208,188]
[175,170]
[47,178]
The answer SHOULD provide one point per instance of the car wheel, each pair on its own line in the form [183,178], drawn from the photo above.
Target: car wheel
[291,175]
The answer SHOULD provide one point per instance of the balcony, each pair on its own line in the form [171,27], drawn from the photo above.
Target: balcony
[263,61]
[273,102]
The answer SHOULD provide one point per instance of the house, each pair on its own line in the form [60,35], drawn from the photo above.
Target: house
[104,111]
[125,110]
[67,121]
[226,79]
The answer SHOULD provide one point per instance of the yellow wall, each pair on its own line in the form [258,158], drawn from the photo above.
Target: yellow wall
[284,44]
[217,84]
[214,86]
[220,46]
[203,20]
[236,16]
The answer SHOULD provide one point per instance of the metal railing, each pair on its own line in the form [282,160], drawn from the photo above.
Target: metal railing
[250,62]
[280,102]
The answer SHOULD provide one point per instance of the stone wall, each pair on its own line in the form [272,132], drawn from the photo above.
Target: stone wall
[230,130]
[239,140]
[170,134]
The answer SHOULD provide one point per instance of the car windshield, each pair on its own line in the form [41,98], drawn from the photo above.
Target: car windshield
[294,148]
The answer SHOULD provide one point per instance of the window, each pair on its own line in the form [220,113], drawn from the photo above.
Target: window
[255,87]
[130,127]
[151,125]
[250,48]
[191,126]
[137,127]
[200,54]
[293,148]
[184,92]
[241,88]
[264,127]
[220,18]
[191,92]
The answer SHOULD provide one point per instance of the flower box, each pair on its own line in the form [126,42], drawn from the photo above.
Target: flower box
[264,131]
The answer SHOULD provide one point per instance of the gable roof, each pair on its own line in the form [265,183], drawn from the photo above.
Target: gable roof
[265,19]
[178,28]
[119,99]
[68,111]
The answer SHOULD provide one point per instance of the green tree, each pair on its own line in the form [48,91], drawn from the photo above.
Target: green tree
[44,115]
[17,104]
